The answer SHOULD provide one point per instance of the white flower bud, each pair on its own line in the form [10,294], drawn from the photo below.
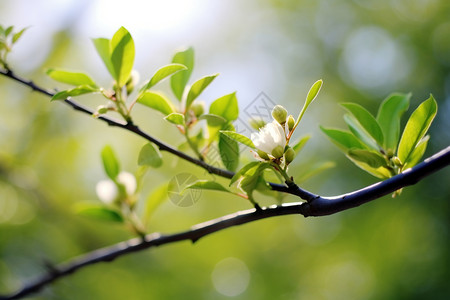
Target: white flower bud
[107,191]
[129,182]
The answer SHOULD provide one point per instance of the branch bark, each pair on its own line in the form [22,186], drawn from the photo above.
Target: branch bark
[315,206]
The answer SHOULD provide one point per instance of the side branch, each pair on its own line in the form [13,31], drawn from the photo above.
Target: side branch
[319,206]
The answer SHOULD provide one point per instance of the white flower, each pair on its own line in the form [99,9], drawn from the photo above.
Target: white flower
[269,138]
[108,192]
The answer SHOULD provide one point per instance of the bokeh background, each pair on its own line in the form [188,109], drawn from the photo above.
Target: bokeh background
[362,49]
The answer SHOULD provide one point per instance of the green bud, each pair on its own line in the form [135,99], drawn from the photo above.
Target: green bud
[390,152]
[396,161]
[257,123]
[263,155]
[278,151]
[290,122]
[198,107]
[132,81]
[279,113]
[289,155]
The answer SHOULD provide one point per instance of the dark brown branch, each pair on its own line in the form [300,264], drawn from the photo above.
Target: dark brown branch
[319,206]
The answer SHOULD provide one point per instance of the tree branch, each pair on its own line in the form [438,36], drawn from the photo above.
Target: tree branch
[315,205]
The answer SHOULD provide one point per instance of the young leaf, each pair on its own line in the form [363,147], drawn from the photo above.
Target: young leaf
[175,118]
[178,81]
[163,73]
[103,49]
[242,171]
[239,137]
[226,107]
[81,90]
[110,162]
[98,212]
[312,94]
[17,35]
[416,128]
[72,78]
[229,152]
[366,120]
[343,139]
[388,117]
[300,144]
[150,156]
[122,55]
[207,185]
[417,153]
[157,101]
[372,158]
[8,30]
[380,172]
[154,200]
[359,132]
[251,178]
[197,88]
[213,120]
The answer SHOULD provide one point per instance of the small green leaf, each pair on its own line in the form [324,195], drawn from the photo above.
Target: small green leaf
[80,90]
[226,107]
[315,170]
[343,139]
[157,101]
[163,73]
[8,30]
[73,78]
[242,171]
[313,92]
[122,55]
[417,153]
[102,46]
[17,35]
[98,212]
[251,178]
[207,185]
[175,118]
[389,115]
[229,152]
[154,200]
[370,157]
[150,156]
[110,162]
[213,120]
[380,172]
[239,137]
[416,128]
[197,88]
[178,81]
[366,121]
[359,132]
[300,144]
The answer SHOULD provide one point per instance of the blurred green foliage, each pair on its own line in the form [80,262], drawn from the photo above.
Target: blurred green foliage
[364,50]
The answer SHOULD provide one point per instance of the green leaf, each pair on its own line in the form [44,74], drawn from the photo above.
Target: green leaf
[213,120]
[122,55]
[157,101]
[110,162]
[389,116]
[226,107]
[380,172]
[417,153]
[251,178]
[98,212]
[207,185]
[197,88]
[242,171]
[366,121]
[17,35]
[81,90]
[315,170]
[178,81]
[239,137]
[163,73]
[229,152]
[359,132]
[313,92]
[154,200]
[175,118]
[416,128]
[103,48]
[343,139]
[300,144]
[372,158]
[72,78]
[150,156]
[8,30]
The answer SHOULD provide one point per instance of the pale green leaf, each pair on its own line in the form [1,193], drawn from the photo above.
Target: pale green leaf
[175,118]
[343,139]
[122,55]
[416,128]
[313,92]
[150,156]
[239,137]
[110,162]
[163,73]
[80,90]
[359,132]
[178,81]
[17,35]
[156,101]
[98,212]
[229,152]
[197,88]
[213,120]
[242,171]
[370,157]
[73,78]
[102,46]
[417,153]
[207,185]
[300,144]
[226,107]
